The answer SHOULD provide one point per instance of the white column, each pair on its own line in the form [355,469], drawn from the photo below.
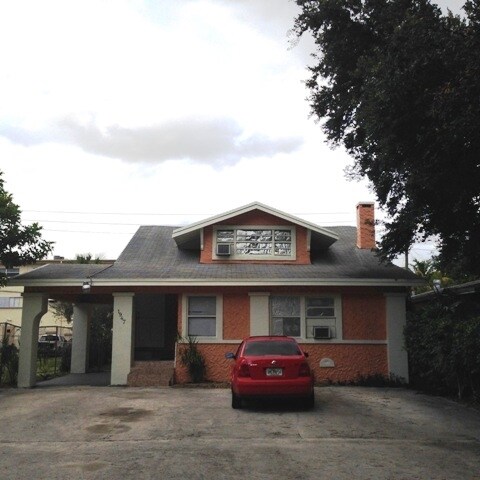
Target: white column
[35,305]
[80,339]
[396,320]
[259,314]
[122,346]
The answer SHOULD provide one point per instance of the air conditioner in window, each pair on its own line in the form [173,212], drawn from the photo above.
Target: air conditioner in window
[322,333]
[223,249]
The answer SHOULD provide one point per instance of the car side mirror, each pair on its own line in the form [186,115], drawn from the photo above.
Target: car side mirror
[305,353]
[230,356]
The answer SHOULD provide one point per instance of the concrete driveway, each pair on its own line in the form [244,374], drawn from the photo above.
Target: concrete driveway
[185,433]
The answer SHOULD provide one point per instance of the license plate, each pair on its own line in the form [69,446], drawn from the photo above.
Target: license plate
[274,372]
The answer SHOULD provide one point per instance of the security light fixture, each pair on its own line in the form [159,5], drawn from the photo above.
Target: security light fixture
[87,286]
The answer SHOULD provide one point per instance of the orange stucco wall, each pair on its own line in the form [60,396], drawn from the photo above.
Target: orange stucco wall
[364,317]
[351,362]
[256,218]
[236,316]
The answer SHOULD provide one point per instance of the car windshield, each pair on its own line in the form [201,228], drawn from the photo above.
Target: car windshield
[275,347]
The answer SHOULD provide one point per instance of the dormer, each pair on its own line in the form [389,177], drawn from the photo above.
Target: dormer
[254,233]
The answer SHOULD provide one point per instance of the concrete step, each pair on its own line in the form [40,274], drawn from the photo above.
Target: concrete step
[151,374]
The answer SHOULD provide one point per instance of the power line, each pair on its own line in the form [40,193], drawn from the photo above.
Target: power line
[86,231]
[163,214]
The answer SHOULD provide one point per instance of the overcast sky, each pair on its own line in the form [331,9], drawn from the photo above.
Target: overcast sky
[121,113]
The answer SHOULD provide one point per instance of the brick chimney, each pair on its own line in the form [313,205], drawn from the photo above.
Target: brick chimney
[366,225]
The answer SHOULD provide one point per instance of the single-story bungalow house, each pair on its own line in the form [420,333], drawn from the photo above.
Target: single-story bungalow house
[253,270]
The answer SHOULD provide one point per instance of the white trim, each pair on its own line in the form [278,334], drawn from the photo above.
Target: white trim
[337,318]
[218,318]
[248,208]
[396,321]
[142,282]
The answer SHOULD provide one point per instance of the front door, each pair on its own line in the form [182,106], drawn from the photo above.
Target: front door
[155,326]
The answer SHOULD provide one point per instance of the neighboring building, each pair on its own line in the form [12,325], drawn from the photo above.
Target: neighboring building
[251,271]
[11,303]
[465,292]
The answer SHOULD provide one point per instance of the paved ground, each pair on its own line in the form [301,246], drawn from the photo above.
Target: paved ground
[88,432]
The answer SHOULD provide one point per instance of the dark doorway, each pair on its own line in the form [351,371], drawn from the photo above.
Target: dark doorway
[155,327]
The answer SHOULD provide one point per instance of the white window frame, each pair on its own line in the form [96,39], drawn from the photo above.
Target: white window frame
[337,319]
[334,321]
[272,257]
[218,317]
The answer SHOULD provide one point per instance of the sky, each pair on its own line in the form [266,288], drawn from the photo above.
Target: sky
[116,114]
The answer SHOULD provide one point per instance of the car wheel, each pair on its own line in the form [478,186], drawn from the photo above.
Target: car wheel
[236,401]
[310,401]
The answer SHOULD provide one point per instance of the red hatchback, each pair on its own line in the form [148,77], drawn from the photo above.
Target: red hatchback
[271,367]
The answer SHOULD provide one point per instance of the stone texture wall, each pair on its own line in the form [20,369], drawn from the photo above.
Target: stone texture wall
[350,361]
[218,367]
[364,317]
[236,316]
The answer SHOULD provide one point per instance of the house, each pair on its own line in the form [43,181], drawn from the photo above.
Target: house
[253,270]
[11,303]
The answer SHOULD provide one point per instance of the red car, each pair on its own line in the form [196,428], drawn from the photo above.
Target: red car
[271,366]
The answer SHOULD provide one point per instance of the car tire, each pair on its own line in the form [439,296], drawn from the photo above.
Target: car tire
[236,401]
[310,401]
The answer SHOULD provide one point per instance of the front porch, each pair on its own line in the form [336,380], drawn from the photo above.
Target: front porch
[143,336]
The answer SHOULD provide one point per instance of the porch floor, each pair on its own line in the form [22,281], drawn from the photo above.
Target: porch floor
[101,379]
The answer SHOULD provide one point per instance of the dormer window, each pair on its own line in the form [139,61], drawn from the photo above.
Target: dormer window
[255,242]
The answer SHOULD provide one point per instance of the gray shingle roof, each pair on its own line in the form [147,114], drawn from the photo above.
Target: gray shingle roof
[153,254]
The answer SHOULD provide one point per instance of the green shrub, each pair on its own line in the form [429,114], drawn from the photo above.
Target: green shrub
[66,358]
[193,359]
[8,362]
[443,345]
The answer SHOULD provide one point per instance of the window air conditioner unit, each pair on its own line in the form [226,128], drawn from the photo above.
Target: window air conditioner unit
[223,249]
[321,333]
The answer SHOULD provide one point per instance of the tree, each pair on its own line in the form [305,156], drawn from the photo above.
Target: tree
[397,83]
[430,271]
[19,245]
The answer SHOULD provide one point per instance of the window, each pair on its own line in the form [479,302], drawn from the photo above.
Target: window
[265,243]
[285,315]
[320,312]
[202,316]
[11,302]
[297,316]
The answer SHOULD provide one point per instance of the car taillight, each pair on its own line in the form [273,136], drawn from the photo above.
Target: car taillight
[304,370]
[244,371]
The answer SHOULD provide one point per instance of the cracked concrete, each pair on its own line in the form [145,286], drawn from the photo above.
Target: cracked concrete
[353,432]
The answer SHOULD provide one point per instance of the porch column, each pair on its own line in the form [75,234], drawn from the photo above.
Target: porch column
[122,345]
[35,305]
[80,339]
[259,313]
[396,320]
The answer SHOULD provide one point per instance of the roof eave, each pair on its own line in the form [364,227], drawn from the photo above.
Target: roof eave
[139,282]
[189,229]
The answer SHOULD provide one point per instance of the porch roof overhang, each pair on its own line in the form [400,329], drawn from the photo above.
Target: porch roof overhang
[223,282]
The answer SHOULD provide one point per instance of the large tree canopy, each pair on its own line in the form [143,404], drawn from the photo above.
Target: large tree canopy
[19,245]
[397,83]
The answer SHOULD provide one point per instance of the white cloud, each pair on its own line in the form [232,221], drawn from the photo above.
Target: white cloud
[138,112]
